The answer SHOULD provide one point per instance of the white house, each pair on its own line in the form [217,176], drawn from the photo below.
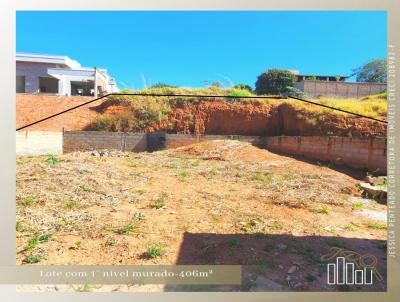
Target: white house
[53,74]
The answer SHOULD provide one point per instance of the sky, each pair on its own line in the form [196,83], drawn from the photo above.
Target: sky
[194,49]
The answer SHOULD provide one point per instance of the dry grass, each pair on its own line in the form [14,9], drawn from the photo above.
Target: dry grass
[136,209]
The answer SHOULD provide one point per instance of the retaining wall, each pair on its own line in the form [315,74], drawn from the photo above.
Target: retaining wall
[367,153]
[38,142]
[95,140]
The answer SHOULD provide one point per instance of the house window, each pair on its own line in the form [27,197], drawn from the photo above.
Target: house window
[48,85]
[20,84]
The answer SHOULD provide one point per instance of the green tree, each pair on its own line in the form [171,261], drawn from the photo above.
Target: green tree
[373,71]
[275,81]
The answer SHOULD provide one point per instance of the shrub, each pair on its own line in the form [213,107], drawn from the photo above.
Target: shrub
[275,81]
[243,87]
[162,85]
[292,91]
[238,93]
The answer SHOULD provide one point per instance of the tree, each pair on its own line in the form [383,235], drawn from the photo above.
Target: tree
[275,81]
[243,87]
[373,71]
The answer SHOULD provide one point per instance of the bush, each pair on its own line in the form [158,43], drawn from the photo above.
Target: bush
[243,87]
[291,91]
[238,93]
[162,85]
[275,81]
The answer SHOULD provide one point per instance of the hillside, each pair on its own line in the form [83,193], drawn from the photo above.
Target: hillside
[236,116]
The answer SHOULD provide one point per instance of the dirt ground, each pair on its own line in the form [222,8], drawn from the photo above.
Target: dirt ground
[218,202]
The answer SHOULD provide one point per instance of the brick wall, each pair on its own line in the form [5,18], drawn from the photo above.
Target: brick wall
[367,153]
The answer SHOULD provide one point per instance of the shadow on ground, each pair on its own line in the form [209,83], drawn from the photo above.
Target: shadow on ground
[279,262]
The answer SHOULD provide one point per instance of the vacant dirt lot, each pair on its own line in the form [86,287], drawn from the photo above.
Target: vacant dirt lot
[220,202]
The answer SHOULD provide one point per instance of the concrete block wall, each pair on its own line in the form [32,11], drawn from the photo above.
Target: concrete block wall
[96,140]
[367,153]
[38,142]
[340,89]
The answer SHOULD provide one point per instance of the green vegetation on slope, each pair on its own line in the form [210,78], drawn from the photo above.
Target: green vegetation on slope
[142,112]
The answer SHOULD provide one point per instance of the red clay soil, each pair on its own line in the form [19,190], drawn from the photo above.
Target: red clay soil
[263,119]
[208,117]
[30,108]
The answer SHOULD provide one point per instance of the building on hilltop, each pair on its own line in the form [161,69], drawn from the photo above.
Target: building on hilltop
[60,75]
[315,86]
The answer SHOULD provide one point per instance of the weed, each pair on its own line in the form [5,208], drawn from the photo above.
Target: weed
[261,268]
[52,160]
[289,176]
[73,204]
[265,178]
[216,218]
[358,205]
[160,202]
[126,229]
[111,242]
[19,227]
[314,176]
[85,288]
[78,244]
[183,176]
[155,251]
[32,243]
[32,259]
[27,201]
[321,210]
[137,174]
[238,175]
[85,188]
[140,192]
[233,242]
[376,226]
[351,226]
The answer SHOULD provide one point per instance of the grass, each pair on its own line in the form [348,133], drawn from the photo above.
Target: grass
[358,205]
[320,210]
[376,226]
[32,259]
[36,240]
[160,202]
[27,201]
[126,229]
[73,204]
[264,177]
[351,226]
[183,176]
[154,251]
[85,188]
[84,288]
[144,111]
[52,160]
[233,242]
